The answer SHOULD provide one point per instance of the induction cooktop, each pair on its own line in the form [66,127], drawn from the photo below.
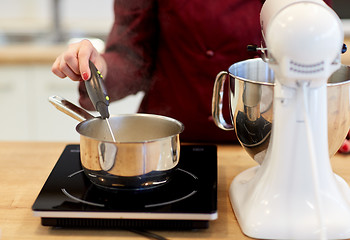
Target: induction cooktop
[187,201]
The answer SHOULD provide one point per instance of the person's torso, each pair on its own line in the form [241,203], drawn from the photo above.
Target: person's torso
[197,40]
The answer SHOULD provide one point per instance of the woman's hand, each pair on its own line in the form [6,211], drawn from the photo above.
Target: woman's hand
[345,147]
[74,62]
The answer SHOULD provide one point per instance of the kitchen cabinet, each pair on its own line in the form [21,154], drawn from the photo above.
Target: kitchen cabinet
[72,18]
[27,114]
[15,122]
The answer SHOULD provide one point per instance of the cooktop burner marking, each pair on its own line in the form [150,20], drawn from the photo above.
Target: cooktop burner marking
[191,174]
[178,199]
[65,192]
[80,200]
[172,201]
[75,173]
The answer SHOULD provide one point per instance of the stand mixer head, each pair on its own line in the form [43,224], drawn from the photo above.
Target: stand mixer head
[304,40]
[294,194]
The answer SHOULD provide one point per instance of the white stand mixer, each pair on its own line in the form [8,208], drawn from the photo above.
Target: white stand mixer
[294,194]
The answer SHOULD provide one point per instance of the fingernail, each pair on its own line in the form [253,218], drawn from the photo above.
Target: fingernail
[344,148]
[85,76]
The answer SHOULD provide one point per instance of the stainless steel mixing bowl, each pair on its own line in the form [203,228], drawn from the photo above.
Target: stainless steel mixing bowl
[251,89]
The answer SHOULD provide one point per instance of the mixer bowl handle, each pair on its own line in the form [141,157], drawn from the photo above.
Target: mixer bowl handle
[217,102]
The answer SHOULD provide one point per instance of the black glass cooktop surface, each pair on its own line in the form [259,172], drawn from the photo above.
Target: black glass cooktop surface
[188,200]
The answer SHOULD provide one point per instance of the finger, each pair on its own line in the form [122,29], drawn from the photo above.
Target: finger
[86,52]
[56,68]
[65,69]
[93,56]
[71,60]
[84,68]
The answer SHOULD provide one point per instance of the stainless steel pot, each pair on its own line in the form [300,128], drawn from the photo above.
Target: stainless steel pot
[251,88]
[147,147]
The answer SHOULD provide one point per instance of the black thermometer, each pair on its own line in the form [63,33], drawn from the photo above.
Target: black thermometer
[98,95]
[97,91]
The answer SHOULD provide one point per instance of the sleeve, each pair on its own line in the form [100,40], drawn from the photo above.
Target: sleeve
[329,2]
[130,50]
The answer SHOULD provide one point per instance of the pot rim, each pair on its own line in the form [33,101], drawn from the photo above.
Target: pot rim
[169,119]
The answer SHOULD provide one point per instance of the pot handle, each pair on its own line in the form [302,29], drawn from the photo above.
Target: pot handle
[217,102]
[70,109]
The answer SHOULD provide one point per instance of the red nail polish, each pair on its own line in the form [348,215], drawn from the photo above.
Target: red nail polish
[85,76]
[344,148]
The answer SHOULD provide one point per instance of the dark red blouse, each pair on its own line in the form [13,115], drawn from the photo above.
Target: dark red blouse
[172,50]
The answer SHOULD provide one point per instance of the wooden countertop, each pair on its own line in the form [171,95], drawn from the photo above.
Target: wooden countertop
[30,53]
[24,167]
